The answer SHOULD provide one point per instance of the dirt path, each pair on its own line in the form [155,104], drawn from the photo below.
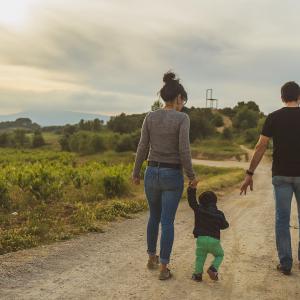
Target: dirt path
[112,265]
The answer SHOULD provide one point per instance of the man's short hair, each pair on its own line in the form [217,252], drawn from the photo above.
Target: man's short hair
[290,91]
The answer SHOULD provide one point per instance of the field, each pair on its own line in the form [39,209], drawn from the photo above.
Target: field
[217,149]
[48,196]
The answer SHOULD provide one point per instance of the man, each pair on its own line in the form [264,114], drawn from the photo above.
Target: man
[283,126]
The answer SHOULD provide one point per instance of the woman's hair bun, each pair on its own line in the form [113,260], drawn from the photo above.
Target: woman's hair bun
[169,77]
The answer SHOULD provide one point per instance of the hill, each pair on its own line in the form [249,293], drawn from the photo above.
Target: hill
[53,117]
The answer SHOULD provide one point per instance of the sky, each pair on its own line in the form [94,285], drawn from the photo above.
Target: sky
[109,57]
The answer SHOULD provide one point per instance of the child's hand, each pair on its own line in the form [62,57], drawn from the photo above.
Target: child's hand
[136,180]
[193,183]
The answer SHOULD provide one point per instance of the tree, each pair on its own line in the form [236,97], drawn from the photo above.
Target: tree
[218,120]
[250,105]
[201,123]
[97,125]
[20,139]
[228,111]
[69,129]
[157,105]
[245,118]
[126,123]
[64,143]
[4,139]
[227,134]
[38,139]
[23,122]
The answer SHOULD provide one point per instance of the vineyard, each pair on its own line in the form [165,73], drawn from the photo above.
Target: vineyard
[48,196]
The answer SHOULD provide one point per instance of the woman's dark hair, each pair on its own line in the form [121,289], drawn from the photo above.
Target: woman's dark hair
[290,91]
[172,88]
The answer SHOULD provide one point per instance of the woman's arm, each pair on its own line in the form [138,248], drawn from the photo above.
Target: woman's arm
[184,148]
[142,150]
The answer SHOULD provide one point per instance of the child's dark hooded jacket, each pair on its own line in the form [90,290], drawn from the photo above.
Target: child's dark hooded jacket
[208,219]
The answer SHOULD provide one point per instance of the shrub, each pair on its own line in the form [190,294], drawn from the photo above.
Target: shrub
[218,120]
[4,195]
[125,144]
[38,140]
[201,123]
[85,142]
[84,217]
[227,134]
[43,182]
[251,135]
[20,139]
[64,143]
[114,186]
[16,239]
[3,139]
[245,118]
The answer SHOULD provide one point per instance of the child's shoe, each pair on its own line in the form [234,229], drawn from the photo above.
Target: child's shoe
[213,273]
[197,277]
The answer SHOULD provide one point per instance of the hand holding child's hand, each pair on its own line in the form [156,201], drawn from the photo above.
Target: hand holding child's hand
[193,183]
[136,180]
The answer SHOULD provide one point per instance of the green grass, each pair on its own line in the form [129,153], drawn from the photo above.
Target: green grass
[30,221]
[108,157]
[212,178]
[217,149]
[52,141]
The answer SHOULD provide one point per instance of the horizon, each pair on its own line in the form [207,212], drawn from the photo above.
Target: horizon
[108,58]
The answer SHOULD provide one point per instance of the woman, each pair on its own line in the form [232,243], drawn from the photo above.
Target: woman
[166,133]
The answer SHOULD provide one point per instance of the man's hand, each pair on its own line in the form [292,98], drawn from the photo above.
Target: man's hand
[247,182]
[136,180]
[193,183]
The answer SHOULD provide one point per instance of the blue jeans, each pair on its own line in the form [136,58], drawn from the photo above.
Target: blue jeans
[284,188]
[163,188]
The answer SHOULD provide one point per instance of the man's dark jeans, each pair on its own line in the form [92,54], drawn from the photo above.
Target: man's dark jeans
[284,189]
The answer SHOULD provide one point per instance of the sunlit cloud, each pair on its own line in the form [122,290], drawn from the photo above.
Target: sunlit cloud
[109,56]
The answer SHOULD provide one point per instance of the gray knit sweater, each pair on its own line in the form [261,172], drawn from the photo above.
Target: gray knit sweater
[166,134]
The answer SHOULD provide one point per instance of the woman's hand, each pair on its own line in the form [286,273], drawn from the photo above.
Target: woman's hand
[193,183]
[136,180]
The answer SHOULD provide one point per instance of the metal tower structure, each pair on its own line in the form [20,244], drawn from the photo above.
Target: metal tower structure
[213,103]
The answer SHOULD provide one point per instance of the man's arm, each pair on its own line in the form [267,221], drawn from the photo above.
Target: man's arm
[259,152]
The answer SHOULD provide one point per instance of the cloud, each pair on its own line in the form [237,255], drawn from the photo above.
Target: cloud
[109,56]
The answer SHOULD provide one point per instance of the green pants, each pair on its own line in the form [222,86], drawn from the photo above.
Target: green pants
[208,245]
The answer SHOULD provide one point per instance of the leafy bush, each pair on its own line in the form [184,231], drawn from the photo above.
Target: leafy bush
[128,142]
[227,134]
[218,120]
[201,123]
[85,142]
[4,196]
[84,217]
[114,186]
[126,123]
[245,118]
[16,239]
[37,140]
[251,135]
[41,181]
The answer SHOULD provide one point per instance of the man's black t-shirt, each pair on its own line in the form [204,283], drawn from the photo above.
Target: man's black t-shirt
[283,126]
